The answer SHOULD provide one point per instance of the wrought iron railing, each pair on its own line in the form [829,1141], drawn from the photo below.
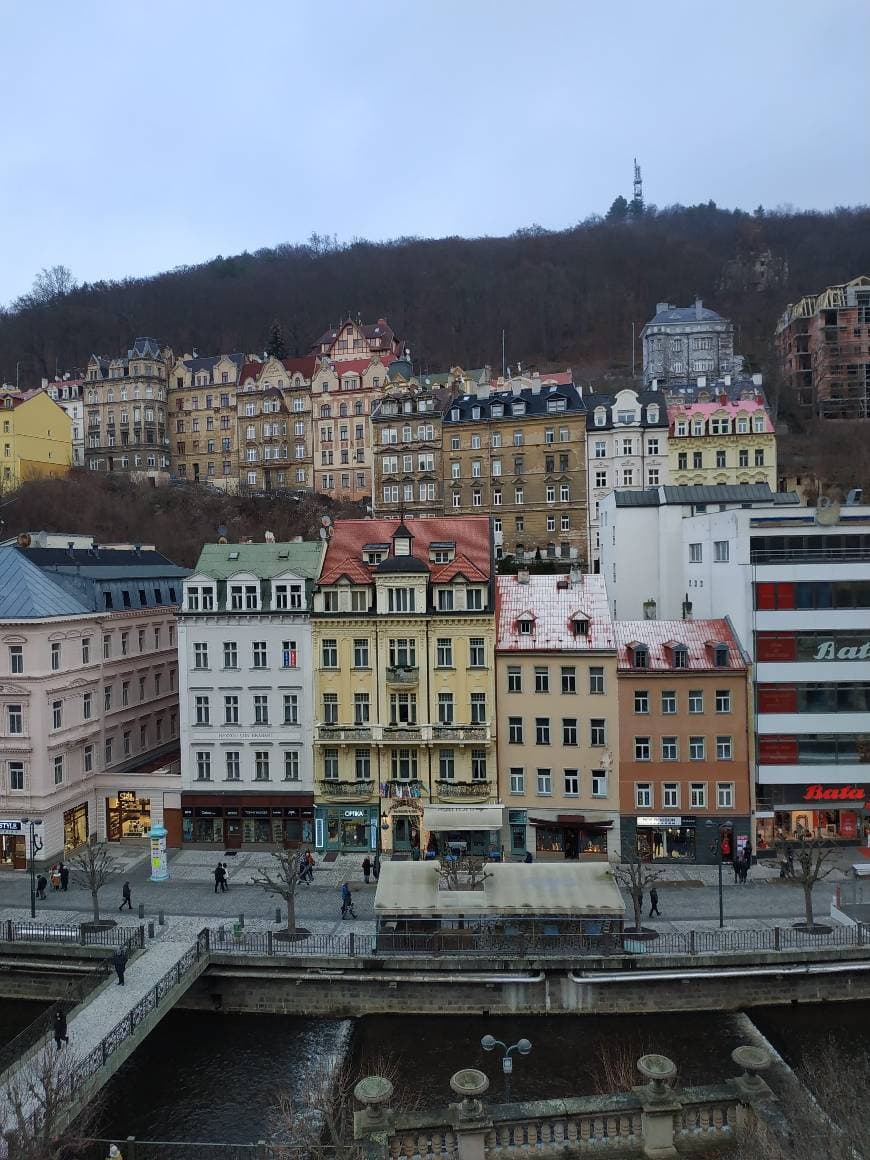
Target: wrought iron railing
[22,931]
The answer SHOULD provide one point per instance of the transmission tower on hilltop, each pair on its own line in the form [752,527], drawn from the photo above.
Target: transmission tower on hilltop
[638,184]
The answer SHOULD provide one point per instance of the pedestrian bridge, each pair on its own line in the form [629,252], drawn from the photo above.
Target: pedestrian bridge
[106,1030]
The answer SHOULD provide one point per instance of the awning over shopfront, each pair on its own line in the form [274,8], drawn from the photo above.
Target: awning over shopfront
[448,819]
[573,821]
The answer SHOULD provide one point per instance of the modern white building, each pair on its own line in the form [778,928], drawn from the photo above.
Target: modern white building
[244,643]
[88,694]
[626,449]
[67,393]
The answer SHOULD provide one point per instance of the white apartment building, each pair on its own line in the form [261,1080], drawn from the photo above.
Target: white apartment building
[626,449]
[88,694]
[67,393]
[244,643]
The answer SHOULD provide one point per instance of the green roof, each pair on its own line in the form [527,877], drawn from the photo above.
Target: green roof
[262,560]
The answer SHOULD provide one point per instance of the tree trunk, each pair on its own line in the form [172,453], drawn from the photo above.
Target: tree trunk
[290,899]
[638,905]
[808,903]
[95,899]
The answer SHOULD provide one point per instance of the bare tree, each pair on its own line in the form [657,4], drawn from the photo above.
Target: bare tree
[34,1107]
[635,877]
[92,864]
[811,856]
[51,283]
[282,879]
[464,872]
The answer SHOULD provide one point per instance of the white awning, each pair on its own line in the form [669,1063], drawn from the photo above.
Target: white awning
[442,819]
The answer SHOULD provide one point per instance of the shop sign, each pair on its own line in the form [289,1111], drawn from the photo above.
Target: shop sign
[277,811]
[209,812]
[353,813]
[828,651]
[308,813]
[664,822]
[11,827]
[126,795]
[255,812]
[834,793]
[187,812]
[231,812]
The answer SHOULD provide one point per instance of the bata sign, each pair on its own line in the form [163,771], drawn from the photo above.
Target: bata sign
[834,793]
[828,651]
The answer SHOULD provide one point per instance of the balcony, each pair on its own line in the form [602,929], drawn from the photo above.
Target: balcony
[402,675]
[398,787]
[403,733]
[346,790]
[344,733]
[463,791]
[460,733]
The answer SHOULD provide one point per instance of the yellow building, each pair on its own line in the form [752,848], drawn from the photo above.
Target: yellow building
[558,716]
[36,438]
[202,418]
[721,434]
[404,646]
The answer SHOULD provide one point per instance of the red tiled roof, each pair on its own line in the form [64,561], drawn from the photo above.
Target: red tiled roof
[553,608]
[697,635]
[470,534]
[300,366]
[250,370]
[358,366]
[353,568]
[459,566]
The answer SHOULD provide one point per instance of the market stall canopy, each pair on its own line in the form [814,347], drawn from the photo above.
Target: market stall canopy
[538,888]
[443,819]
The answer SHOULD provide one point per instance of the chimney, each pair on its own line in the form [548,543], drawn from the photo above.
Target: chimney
[516,387]
[536,386]
[699,306]
[757,380]
[660,306]
[654,385]
[523,576]
[483,391]
[575,576]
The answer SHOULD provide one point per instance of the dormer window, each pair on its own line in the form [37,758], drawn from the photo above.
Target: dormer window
[580,625]
[625,417]
[526,624]
[758,424]
[639,656]
[556,404]
[497,410]
[720,655]
[680,427]
[681,656]
[742,426]
[288,595]
[697,426]
[454,414]
[200,598]
[475,412]
[518,408]
[402,542]
[244,597]
[600,417]
[652,413]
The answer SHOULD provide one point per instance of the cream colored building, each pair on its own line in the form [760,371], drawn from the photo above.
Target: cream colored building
[274,424]
[202,418]
[558,717]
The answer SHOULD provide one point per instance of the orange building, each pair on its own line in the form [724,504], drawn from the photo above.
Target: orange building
[684,748]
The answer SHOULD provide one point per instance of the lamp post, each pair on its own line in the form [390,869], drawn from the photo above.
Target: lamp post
[36,845]
[717,846]
[523,1046]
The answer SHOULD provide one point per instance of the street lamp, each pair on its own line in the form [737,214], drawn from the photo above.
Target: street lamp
[36,845]
[717,847]
[523,1046]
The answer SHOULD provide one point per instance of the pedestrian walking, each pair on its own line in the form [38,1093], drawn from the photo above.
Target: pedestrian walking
[225,877]
[376,866]
[114,1153]
[54,875]
[126,897]
[60,1035]
[119,961]
[744,871]
[366,868]
[736,867]
[654,903]
[64,877]
[218,875]
[309,867]
[346,901]
[41,883]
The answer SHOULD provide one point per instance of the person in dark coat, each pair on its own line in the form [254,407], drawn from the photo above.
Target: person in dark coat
[376,867]
[346,901]
[218,875]
[224,878]
[119,961]
[59,1028]
[41,883]
[126,896]
[64,877]
[528,858]
[654,903]
[366,867]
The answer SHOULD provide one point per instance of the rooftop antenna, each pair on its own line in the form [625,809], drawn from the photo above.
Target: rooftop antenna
[638,184]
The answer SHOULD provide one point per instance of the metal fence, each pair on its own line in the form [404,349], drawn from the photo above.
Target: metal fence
[131,1149]
[22,931]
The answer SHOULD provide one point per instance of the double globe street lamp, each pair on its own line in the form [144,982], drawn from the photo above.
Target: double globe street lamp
[523,1046]
[717,848]
[34,847]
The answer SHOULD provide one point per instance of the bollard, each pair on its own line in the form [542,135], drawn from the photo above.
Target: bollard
[350,944]
[776,933]
[693,950]
[141,909]
[151,929]
[132,1152]
[242,921]
[222,934]
[161,917]
[278,915]
[270,946]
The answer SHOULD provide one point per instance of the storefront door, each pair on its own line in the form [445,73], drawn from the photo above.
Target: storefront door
[75,827]
[13,852]
[406,834]
[127,816]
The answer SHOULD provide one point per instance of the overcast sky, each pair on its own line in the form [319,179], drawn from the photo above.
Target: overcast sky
[145,134]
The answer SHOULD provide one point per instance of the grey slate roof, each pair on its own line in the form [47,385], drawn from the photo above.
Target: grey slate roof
[27,593]
[683,314]
[752,493]
[645,399]
[535,404]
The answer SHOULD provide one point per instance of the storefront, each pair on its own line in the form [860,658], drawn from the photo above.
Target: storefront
[675,838]
[75,827]
[13,845]
[839,814]
[261,824]
[349,829]
[127,816]
[462,830]
[569,836]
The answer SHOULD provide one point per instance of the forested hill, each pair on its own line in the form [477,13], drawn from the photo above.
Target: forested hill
[563,298]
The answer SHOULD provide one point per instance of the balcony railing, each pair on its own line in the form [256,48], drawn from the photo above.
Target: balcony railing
[346,790]
[460,732]
[404,733]
[344,733]
[463,791]
[402,675]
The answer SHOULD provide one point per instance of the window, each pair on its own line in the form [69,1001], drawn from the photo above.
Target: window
[572,783]
[362,764]
[87,759]
[330,708]
[231,709]
[444,652]
[107,646]
[670,795]
[720,459]
[743,458]
[569,679]
[542,679]
[401,599]
[695,554]
[404,765]
[514,679]
[403,708]
[330,764]
[569,730]
[596,679]
[55,654]
[86,649]
[653,477]
[107,751]
[601,479]
[724,749]
[551,495]
[720,551]
[474,599]
[56,714]
[58,769]
[597,731]
[478,708]
[697,460]
[643,795]
[723,700]
[403,653]
[200,656]
[517,780]
[107,698]
[203,765]
[231,655]
[545,781]
[202,710]
[696,701]
[725,795]
[515,730]
[478,765]
[476,652]
[87,706]
[670,749]
[291,765]
[759,457]
[329,653]
[641,701]
[598,783]
[360,708]
[445,764]
[261,765]
[259,654]
[696,749]
[640,656]
[682,461]
[361,653]
[641,749]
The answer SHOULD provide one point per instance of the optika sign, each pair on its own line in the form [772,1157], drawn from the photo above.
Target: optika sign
[834,793]
[828,651]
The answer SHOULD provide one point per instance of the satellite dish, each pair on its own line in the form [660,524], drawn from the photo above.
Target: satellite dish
[222,540]
[24,540]
[827,511]
[326,521]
